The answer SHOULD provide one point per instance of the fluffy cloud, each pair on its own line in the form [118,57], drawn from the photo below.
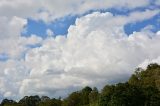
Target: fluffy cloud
[11,27]
[148,61]
[19,8]
[95,51]
[10,30]
[12,43]
[92,50]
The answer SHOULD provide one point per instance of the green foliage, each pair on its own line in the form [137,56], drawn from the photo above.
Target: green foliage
[121,94]
[51,102]
[149,82]
[85,95]
[30,101]
[155,100]
[93,96]
[142,89]
[146,78]
[7,102]
[105,95]
[79,98]
[126,95]
[14,104]
[74,99]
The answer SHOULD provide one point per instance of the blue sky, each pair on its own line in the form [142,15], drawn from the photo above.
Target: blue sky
[59,26]
[3,57]
[132,27]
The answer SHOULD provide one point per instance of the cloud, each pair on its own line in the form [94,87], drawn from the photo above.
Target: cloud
[95,52]
[11,28]
[49,32]
[149,61]
[49,10]
[61,8]
[12,43]
[19,8]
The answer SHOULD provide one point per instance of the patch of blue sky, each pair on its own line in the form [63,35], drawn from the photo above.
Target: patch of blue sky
[154,21]
[59,26]
[4,57]
[125,10]
[35,27]
[137,26]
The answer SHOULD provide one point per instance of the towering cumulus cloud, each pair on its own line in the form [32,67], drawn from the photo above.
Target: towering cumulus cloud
[95,51]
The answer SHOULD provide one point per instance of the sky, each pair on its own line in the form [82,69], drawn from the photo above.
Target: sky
[54,47]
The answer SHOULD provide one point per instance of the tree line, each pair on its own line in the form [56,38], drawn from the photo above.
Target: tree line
[142,89]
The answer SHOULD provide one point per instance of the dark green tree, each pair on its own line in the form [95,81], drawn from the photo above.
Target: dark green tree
[85,95]
[106,94]
[51,102]
[30,100]
[74,99]
[7,102]
[126,95]
[94,97]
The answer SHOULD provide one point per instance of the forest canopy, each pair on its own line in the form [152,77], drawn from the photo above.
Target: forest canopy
[142,89]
